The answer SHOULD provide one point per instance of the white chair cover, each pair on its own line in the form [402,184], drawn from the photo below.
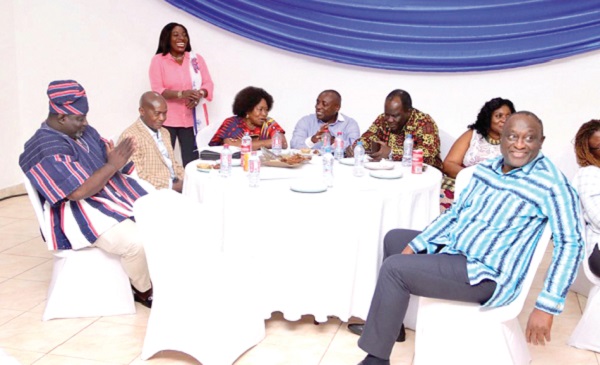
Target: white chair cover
[205,134]
[587,333]
[412,312]
[85,283]
[203,298]
[450,332]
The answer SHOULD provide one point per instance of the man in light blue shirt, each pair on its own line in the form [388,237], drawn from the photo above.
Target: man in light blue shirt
[480,249]
[310,129]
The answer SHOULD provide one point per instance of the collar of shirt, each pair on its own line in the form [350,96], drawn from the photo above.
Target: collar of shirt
[340,119]
[186,58]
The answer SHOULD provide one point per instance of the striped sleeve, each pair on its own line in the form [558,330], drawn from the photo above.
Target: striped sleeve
[57,176]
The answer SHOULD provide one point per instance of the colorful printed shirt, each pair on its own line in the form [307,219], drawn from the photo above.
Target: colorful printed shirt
[497,222]
[417,125]
[57,165]
[235,127]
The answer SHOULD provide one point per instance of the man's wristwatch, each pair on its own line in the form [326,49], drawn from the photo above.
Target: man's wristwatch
[179,94]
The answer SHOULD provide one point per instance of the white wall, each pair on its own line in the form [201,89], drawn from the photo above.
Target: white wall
[107,46]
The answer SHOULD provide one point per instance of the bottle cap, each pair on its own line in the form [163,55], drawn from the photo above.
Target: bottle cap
[226,145]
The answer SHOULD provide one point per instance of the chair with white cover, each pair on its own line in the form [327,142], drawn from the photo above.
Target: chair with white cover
[85,283]
[586,335]
[412,312]
[467,333]
[204,136]
[203,297]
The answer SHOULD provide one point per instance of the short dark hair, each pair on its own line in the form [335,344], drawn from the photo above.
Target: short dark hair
[484,118]
[249,97]
[164,41]
[404,98]
[585,157]
[334,92]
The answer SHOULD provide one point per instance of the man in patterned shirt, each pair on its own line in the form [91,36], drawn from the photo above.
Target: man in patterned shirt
[80,177]
[388,131]
[479,250]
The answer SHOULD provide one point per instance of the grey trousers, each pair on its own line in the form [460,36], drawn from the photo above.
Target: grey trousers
[436,276]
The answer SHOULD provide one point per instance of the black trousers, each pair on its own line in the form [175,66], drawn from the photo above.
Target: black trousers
[429,275]
[187,143]
[594,261]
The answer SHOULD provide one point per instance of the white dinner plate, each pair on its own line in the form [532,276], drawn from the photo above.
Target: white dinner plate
[386,174]
[381,165]
[347,161]
[308,186]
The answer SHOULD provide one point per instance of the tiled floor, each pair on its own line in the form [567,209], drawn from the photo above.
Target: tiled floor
[25,269]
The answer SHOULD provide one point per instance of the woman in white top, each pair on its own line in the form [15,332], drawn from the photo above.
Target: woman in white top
[480,142]
[587,184]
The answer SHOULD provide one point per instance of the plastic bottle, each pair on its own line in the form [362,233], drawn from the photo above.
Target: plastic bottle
[328,166]
[325,141]
[254,169]
[246,147]
[408,151]
[225,170]
[338,144]
[276,143]
[359,160]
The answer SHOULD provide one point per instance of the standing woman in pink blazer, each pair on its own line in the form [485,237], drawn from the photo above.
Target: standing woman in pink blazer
[182,78]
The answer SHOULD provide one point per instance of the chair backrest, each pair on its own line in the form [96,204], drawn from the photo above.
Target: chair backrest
[205,134]
[38,208]
[462,180]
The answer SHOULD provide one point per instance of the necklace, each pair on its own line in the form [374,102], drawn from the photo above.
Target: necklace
[492,141]
[177,58]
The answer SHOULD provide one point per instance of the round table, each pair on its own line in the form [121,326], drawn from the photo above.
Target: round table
[314,253]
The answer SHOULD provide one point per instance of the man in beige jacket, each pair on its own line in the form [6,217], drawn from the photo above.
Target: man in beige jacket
[153,157]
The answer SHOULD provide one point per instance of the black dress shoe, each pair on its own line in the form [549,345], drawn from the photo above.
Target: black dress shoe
[357,329]
[145,300]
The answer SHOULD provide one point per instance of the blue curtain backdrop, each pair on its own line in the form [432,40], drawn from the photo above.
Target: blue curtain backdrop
[442,36]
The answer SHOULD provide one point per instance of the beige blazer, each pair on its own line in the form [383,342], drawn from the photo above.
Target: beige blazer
[149,162]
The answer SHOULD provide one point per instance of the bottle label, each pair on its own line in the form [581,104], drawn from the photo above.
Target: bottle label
[417,162]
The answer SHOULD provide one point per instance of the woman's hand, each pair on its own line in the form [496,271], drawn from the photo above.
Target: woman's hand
[192,98]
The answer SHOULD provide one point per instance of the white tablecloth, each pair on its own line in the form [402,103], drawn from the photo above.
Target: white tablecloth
[314,253]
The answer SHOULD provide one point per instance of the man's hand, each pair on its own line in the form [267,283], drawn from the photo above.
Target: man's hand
[178,185]
[319,135]
[407,251]
[383,152]
[118,156]
[538,327]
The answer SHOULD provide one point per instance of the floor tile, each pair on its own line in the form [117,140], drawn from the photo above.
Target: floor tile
[8,314]
[102,341]
[13,265]
[168,358]
[42,272]
[65,360]
[22,295]
[24,227]
[24,357]
[28,332]
[35,247]
[140,318]
[20,210]
[10,240]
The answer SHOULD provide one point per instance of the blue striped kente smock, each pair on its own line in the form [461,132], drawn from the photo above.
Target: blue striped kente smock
[497,222]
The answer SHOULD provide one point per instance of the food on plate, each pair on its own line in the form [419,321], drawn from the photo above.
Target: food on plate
[294,159]
[305,150]
[208,166]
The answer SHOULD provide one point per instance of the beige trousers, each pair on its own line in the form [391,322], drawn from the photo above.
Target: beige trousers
[124,240]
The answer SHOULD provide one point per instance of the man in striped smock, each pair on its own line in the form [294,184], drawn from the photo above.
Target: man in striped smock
[479,250]
[80,177]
